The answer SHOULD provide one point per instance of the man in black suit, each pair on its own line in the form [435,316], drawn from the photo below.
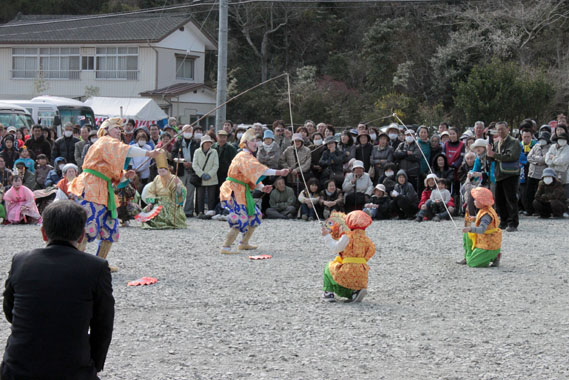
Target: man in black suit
[53,297]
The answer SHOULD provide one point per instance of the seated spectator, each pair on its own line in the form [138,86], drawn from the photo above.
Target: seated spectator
[550,198]
[28,160]
[379,206]
[466,167]
[42,170]
[56,174]
[381,155]
[557,158]
[404,197]
[441,168]
[357,188]
[347,147]
[429,186]
[331,199]
[282,201]
[28,179]
[435,206]
[69,172]
[289,161]
[408,154]
[269,152]
[309,200]
[388,177]
[10,154]
[332,162]
[5,175]
[20,204]
[2,208]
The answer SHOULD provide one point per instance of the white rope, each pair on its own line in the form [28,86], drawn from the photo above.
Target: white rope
[430,169]
[296,150]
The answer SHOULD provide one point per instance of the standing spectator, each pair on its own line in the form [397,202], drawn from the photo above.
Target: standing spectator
[78,153]
[443,127]
[332,162]
[331,199]
[479,130]
[37,144]
[506,154]
[225,154]
[92,139]
[454,150]
[550,197]
[404,197]
[238,134]
[290,161]
[536,159]
[269,152]
[184,149]
[173,124]
[436,146]
[408,155]
[280,136]
[425,145]
[9,153]
[363,148]
[154,135]
[65,145]
[357,187]
[393,134]
[205,165]
[557,158]
[381,155]
[128,134]
[281,201]
[527,144]
[329,131]
[317,149]
[228,128]
[141,165]
[65,325]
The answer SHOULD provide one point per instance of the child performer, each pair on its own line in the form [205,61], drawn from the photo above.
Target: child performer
[244,175]
[483,241]
[347,275]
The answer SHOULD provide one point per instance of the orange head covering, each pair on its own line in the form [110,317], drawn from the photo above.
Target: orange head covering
[358,220]
[483,196]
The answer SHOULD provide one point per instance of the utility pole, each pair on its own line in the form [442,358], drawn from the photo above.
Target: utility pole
[220,114]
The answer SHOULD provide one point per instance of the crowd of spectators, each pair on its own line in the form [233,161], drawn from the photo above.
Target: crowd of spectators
[407,172]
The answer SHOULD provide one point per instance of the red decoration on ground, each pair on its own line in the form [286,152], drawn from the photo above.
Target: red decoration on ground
[260,257]
[143,281]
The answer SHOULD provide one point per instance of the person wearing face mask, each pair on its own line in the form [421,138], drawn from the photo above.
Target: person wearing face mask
[393,134]
[269,152]
[244,175]
[373,133]
[550,198]
[296,158]
[183,151]
[408,155]
[55,175]
[140,164]
[65,145]
[536,159]
[388,177]
[91,140]
[557,158]
[93,189]
[241,129]
[317,149]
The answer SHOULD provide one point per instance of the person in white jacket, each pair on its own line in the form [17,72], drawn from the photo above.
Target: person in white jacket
[557,158]
[357,187]
[205,165]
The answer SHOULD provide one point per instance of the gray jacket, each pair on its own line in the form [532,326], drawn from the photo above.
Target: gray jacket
[536,159]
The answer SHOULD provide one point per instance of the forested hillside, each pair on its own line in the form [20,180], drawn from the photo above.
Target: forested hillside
[350,62]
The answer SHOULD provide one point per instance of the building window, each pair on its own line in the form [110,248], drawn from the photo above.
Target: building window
[184,68]
[49,63]
[88,63]
[117,63]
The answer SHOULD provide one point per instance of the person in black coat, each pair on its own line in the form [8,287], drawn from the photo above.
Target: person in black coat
[332,162]
[363,149]
[37,144]
[59,301]
[65,145]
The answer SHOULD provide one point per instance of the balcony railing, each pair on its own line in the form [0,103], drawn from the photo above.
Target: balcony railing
[46,74]
[117,74]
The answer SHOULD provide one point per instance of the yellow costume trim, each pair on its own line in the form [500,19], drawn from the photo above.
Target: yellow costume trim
[350,260]
[472,235]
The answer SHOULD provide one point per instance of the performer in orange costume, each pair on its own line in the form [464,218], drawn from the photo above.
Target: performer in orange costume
[93,189]
[347,275]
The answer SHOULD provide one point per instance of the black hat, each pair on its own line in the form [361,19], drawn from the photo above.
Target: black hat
[562,136]
[544,135]
[330,139]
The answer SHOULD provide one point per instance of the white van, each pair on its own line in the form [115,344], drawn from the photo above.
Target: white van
[12,115]
[69,110]
[42,113]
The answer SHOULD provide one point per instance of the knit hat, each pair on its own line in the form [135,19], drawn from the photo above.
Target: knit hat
[483,196]
[268,135]
[68,166]
[433,176]
[358,220]
[548,172]
[204,139]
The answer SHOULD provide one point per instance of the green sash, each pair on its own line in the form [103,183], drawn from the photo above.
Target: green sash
[111,198]
[248,196]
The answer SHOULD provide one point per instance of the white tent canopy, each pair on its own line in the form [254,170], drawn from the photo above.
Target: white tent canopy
[139,109]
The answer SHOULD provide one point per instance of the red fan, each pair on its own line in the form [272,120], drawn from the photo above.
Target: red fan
[261,257]
[143,281]
[146,216]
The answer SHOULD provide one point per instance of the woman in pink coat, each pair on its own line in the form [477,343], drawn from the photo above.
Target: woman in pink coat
[20,204]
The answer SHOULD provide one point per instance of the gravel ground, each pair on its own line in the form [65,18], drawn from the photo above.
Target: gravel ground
[226,317]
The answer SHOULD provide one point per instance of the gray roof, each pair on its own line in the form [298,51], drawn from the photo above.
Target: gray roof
[111,28]
[175,89]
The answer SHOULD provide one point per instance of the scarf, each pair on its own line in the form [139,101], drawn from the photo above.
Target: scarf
[62,185]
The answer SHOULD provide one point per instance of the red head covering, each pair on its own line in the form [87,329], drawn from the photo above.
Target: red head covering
[483,196]
[358,220]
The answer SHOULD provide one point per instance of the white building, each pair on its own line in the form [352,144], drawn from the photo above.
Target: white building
[160,55]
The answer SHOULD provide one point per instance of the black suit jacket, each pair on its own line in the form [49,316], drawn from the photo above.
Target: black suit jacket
[53,297]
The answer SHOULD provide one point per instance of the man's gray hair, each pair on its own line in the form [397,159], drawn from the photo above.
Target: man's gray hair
[479,123]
